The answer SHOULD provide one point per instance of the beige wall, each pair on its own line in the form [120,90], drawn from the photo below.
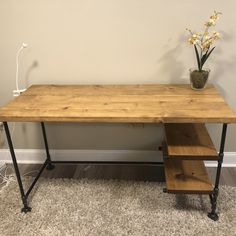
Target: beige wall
[110,42]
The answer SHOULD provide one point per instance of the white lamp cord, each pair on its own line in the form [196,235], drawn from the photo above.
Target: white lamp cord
[17,68]
[24,45]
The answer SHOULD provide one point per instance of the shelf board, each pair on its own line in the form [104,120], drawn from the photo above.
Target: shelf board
[189,141]
[187,176]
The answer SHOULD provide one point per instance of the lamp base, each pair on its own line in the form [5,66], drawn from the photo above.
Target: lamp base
[16,93]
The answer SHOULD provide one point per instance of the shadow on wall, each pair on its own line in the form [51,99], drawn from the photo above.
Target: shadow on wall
[30,69]
[171,65]
[221,68]
[223,65]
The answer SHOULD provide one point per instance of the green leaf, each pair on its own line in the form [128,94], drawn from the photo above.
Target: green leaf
[207,56]
[198,58]
[203,59]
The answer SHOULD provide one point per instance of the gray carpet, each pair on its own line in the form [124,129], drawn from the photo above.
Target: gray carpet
[86,207]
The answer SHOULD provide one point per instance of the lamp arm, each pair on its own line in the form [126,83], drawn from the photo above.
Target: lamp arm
[24,45]
[17,67]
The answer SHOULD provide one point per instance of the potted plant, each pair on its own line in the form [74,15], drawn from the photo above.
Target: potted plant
[203,47]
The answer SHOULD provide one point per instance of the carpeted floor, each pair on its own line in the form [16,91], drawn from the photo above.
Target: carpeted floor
[86,207]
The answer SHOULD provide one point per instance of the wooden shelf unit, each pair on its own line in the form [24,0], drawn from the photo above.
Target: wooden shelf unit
[189,142]
[186,176]
[186,146]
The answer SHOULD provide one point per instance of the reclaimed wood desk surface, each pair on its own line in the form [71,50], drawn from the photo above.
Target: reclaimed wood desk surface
[118,103]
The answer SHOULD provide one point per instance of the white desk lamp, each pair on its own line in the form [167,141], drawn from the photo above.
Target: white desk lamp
[18,91]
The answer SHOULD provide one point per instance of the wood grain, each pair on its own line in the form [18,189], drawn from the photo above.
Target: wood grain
[185,176]
[118,103]
[189,141]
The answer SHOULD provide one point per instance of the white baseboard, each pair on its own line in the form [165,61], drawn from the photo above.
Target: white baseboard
[229,160]
[32,156]
[38,155]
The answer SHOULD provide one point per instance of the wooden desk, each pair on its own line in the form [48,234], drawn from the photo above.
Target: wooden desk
[134,103]
[119,103]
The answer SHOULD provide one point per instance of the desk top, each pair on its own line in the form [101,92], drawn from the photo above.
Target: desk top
[119,103]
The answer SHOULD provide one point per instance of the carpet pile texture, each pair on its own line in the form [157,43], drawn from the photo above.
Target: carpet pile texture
[103,207]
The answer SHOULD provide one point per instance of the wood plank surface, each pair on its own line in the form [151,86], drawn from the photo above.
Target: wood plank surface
[185,176]
[118,103]
[189,141]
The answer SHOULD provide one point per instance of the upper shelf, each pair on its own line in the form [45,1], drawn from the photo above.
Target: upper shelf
[189,141]
[159,103]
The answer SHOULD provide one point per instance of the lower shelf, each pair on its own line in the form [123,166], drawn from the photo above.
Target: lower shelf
[187,176]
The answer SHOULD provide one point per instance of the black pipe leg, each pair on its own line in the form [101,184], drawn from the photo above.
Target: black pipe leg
[213,197]
[26,208]
[50,166]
